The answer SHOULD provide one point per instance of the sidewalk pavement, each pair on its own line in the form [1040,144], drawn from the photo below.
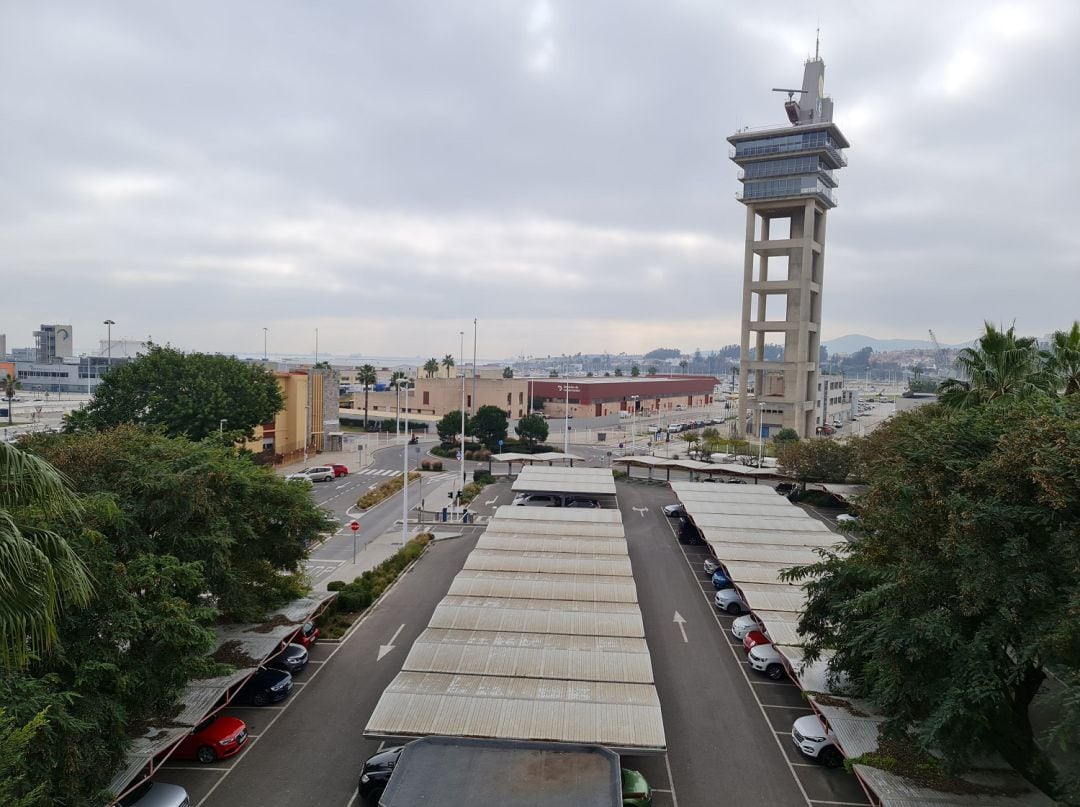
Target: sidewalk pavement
[358,452]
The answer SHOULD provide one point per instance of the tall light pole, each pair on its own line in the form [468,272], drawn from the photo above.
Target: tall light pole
[221,426]
[461,354]
[566,422]
[633,422]
[405,471]
[108,339]
[265,330]
[473,407]
[761,432]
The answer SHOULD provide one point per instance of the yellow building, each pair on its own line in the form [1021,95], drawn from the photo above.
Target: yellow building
[301,421]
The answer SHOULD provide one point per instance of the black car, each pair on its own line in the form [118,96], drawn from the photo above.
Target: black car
[292,659]
[266,686]
[591,503]
[376,773]
[784,488]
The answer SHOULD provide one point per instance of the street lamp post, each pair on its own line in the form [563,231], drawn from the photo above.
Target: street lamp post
[761,432]
[461,354]
[221,427]
[633,423]
[405,471]
[265,330]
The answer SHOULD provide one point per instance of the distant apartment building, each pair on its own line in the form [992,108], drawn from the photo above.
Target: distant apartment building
[308,419]
[834,402]
[3,344]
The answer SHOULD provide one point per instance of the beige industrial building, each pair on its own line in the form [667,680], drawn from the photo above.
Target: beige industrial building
[788,176]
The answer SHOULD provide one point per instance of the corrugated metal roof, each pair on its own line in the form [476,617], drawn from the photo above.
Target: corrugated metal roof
[531,655]
[560,562]
[580,529]
[895,791]
[711,492]
[768,508]
[556,544]
[770,553]
[585,588]
[773,598]
[765,522]
[615,715]
[538,616]
[754,571]
[544,479]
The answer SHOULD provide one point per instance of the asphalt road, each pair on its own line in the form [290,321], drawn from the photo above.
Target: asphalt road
[309,751]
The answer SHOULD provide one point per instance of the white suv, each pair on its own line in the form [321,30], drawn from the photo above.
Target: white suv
[317,473]
[767,659]
[816,741]
[728,599]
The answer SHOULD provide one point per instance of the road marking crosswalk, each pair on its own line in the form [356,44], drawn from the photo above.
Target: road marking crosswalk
[379,472]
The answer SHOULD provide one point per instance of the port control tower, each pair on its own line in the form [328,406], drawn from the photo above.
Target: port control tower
[788,176]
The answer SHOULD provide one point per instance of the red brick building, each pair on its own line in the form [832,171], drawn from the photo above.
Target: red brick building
[597,397]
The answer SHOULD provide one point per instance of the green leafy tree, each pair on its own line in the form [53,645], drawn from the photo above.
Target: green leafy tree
[449,427]
[817,460]
[367,376]
[508,372]
[691,439]
[963,587]
[618,371]
[785,436]
[40,574]
[635,371]
[9,386]
[489,426]
[553,373]
[431,367]
[1001,365]
[1063,360]
[201,503]
[532,429]
[448,363]
[187,394]
[684,364]
[15,741]
[651,370]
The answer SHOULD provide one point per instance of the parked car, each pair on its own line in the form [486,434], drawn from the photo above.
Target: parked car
[784,488]
[156,794]
[635,790]
[736,481]
[672,510]
[720,580]
[814,740]
[589,503]
[847,518]
[307,635]
[767,659]
[292,659]
[536,500]
[729,600]
[215,738]
[688,533]
[744,624]
[317,473]
[754,638]
[711,565]
[339,470]
[824,429]
[266,686]
[376,773]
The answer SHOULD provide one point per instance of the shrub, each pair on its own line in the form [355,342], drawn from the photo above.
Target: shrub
[483,477]
[353,599]
[619,474]
[469,492]
[335,585]
[384,491]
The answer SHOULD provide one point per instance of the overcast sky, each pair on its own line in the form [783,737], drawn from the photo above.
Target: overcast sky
[386,172]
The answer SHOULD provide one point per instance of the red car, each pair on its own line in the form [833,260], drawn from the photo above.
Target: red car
[752,639]
[339,470]
[213,739]
[306,636]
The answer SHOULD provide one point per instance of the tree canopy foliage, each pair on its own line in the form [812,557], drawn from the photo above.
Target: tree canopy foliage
[449,426]
[488,426]
[532,429]
[816,460]
[187,394]
[664,353]
[176,536]
[962,586]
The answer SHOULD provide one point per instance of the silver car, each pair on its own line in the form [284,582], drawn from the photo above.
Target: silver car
[729,600]
[317,473]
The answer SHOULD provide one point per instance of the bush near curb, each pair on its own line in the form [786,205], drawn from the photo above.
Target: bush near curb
[431,465]
[354,598]
[384,491]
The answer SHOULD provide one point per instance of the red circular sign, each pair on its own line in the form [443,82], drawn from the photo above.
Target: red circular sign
[354,526]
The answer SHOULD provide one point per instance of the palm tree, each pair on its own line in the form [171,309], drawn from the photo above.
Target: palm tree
[40,573]
[10,384]
[1002,364]
[1063,359]
[366,376]
[398,379]
[431,367]
[684,364]
[448,363]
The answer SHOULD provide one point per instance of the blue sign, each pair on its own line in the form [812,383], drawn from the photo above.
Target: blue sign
[500,444]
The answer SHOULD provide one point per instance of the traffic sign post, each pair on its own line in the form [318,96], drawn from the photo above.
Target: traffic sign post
[355,527]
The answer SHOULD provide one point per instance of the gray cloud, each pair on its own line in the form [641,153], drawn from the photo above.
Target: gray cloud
[387,172]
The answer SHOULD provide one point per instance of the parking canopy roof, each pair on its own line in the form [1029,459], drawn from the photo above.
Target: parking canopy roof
[540,638]
[559,480]
[491,773]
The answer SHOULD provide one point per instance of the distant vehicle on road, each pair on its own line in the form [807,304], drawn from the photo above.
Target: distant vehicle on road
[825,429]
[317,473]
[339,470]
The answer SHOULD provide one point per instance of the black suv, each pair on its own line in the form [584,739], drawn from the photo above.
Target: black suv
[376,773]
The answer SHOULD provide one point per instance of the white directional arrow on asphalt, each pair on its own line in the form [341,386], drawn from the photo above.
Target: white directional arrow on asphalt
[386,648]
[492,501]
[678,620]
[641,510]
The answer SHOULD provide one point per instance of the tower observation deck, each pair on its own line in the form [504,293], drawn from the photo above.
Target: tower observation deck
[788,176]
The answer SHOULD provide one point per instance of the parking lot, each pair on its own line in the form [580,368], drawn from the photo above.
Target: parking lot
[780,702]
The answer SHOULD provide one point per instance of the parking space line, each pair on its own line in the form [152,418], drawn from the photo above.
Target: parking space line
[191,768]
[671,781]
[848,803]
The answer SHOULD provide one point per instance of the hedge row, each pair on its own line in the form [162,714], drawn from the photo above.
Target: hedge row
[353,598]
[384,491]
